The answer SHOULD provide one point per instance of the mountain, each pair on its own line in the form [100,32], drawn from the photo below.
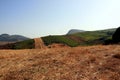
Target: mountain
[15,42]
[73,31]
[12,38]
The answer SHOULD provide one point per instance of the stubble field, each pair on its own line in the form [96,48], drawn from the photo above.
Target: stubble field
[61,63]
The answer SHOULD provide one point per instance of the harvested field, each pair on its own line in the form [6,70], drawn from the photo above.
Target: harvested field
[79,63]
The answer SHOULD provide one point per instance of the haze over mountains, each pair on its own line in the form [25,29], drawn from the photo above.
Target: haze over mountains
[12,38]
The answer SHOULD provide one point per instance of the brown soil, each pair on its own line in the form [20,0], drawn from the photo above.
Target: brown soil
[79,63]
[57,45]
[76,39]
[39,44]
[4,43]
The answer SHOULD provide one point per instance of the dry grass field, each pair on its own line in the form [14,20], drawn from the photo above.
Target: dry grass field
[65,63]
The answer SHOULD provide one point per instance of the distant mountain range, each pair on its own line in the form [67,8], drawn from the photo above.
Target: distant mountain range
[12,38]
[73,31]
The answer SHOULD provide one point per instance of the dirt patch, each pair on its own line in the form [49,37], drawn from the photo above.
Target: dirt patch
[55,45]
[116,56]
[39,44]
[75,38]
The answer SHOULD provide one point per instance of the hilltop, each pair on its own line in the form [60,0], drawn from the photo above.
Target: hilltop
[73,31]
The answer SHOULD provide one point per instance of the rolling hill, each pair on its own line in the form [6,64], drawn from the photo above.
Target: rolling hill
[15,42]
[26,44]
[7,39]
[95,37]
[81,38]
[12,38]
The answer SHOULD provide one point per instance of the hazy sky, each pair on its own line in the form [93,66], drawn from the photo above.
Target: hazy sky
[35,18]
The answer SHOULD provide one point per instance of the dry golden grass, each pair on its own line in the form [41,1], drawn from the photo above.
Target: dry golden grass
[79,63]
[39,44]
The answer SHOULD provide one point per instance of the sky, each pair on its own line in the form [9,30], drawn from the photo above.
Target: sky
[36,18]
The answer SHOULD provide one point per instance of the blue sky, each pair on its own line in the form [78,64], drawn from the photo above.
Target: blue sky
[35,18]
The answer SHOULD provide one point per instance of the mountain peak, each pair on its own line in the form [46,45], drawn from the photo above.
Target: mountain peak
[73,31]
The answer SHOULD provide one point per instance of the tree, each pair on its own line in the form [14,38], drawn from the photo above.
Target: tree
[116,36]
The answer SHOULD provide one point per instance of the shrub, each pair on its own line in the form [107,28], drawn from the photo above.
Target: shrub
[116,36]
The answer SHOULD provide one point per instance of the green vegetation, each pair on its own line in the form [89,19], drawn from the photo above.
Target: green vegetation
[59,39]
[27,44]
[82,38]
[95,37]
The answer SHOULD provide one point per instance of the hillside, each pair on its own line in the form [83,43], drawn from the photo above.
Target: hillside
[9,39]
[48,40]
[78,63]
[12,38]
[26,44]
[82,38]
[95,37]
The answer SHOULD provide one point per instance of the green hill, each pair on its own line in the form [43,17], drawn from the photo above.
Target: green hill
[26,44]
[95,37]
[82,38]
[59,39]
